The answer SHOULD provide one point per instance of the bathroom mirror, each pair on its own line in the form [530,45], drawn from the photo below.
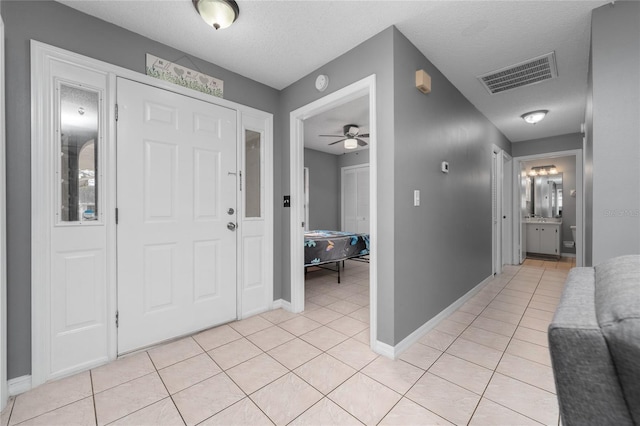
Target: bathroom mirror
[546,195]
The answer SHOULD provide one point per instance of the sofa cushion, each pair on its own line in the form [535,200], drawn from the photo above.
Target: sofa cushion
[617,300]
[587,386]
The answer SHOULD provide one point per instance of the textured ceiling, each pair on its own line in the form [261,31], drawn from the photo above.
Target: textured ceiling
[331,123]
[278,42]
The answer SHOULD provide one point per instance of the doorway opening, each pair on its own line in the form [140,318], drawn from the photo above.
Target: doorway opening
[548,210]
[361,91]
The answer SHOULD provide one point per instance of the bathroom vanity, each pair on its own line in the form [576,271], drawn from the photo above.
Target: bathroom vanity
[543,236]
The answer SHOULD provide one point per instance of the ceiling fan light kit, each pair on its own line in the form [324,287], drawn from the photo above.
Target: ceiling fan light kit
[351,137]
[350,143]
[217,13]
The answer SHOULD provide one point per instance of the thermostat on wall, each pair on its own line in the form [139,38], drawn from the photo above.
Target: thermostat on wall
[444,167]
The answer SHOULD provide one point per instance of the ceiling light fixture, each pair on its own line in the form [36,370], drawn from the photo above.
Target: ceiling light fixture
[350,143]
[534,117]
[217,13]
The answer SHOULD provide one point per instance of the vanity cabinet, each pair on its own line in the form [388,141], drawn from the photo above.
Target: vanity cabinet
[543,238]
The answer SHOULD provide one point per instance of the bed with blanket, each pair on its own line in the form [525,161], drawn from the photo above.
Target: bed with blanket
[327,247]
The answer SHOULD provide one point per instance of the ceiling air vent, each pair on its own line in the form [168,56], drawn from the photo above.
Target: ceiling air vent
[525,73]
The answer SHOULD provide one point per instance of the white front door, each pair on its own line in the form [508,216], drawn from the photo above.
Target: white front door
[355,199]
[176,186]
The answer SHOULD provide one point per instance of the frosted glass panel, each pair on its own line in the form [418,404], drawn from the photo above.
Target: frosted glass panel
[79,109]
[253,181]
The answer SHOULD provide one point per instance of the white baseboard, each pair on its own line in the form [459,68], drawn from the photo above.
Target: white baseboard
[19,385]
[281,304]
[567,255]
[395,351]
[383,349]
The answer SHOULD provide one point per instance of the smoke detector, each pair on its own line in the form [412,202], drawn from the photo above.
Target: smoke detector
[532,71]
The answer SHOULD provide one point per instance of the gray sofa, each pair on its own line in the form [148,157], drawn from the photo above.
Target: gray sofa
[594,341]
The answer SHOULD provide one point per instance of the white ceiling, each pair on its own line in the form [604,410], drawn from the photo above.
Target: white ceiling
[278,42]
[331,123]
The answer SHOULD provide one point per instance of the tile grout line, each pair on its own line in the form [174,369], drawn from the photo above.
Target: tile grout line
[444,351]
[502,356]
[93,397]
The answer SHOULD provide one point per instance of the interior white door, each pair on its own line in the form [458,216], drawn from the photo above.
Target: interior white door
[495,214]
[506,220]
[355,199]
[176,215]
[525,197]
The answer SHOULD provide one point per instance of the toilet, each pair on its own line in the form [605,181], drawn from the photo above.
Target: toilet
[571,243]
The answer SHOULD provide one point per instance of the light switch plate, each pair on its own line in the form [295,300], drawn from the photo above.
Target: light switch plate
[416,197]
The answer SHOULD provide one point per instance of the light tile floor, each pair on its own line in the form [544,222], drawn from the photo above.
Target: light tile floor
[486,364]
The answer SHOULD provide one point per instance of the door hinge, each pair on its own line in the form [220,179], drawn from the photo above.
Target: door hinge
[240,180]
[116,112]
[116,215]
[303,224]
[117,319]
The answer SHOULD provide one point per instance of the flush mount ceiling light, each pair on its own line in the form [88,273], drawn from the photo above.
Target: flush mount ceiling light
[217,13]
[350,143]
[534,117]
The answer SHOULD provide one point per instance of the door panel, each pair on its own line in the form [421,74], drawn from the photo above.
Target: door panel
[355,199]
[176,181]
[77,306]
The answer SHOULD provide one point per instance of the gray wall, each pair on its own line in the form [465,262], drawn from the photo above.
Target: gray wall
[615,85]
[61,26]
[588,169]
[544,145]
[374,56]
[443,247]
[324,189]
[353,158]
[420,248]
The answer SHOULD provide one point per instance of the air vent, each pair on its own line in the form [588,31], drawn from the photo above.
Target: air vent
[525,73]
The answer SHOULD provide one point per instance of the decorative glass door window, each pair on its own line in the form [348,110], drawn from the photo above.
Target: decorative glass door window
[79,110]
[253,174]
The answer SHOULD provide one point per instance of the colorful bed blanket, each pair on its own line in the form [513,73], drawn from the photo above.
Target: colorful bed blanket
[333,246]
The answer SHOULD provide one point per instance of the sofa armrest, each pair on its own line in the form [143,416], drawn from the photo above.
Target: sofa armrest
[587,385]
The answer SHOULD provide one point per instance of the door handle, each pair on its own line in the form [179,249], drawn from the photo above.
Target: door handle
[231,226]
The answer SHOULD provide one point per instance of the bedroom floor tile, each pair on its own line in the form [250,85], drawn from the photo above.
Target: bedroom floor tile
[305,369]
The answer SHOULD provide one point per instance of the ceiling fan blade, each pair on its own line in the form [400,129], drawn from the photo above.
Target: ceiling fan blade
[361,142]
[333,143]
[364,135]
[332,136]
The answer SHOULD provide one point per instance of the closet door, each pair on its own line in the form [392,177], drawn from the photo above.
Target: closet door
[355,199]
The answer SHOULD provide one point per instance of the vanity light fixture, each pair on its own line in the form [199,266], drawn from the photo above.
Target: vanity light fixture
[534,117]
[217,13]
[350,143]
[543,170]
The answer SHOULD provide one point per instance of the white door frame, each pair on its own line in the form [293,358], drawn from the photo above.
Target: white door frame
[3,234]
[342,170]
[496,210]
[42,55]
[517,237]
[364,87]
[506,218]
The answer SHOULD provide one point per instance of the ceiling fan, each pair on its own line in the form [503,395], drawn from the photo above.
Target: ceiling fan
[351,136]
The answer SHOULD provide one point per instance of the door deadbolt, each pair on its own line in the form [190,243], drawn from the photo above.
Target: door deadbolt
[230,211]
[231,226]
